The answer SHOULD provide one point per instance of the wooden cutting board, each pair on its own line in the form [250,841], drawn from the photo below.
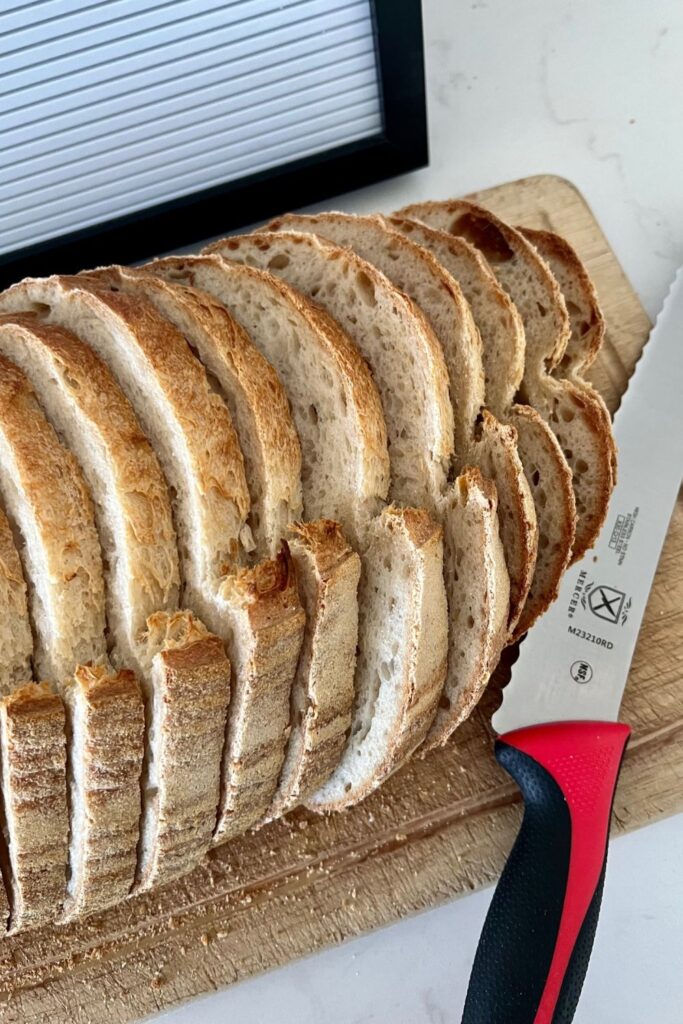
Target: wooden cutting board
[439,828]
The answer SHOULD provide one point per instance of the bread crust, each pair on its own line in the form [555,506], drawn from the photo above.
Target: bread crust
[103,858]
[33,757]
[548,332]
[46,494]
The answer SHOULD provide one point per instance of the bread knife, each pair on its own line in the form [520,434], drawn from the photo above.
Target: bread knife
[558,734]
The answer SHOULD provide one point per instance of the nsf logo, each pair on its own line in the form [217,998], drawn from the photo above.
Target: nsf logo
[581,672]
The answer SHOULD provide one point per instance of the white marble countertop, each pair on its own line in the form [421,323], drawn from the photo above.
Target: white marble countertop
[592,91]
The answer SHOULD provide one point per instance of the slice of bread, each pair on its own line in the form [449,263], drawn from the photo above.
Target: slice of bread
[401,661]
[575,414]
[345,467]
[322,695]
[255,611]
[16,641]
[479,438]
[106,738]
[265,427]
[34,791]
[408,366]
[133,515]
[545,467]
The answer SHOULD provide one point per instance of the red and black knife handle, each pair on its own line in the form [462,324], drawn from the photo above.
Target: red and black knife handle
[537,938]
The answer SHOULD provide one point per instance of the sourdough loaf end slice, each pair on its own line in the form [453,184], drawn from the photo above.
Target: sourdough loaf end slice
[488,444]
[575,415]
[33,782]
[545,467]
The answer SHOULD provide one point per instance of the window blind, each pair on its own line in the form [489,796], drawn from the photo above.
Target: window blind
[110,107]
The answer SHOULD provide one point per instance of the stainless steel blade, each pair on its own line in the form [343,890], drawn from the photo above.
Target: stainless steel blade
[574,663]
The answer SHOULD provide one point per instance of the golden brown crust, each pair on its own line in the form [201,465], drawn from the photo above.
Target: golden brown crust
[103,854]
[44,485]
[271,621]
[33,752]
[215,456]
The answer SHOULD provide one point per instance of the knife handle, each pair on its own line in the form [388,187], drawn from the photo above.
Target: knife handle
[536,942]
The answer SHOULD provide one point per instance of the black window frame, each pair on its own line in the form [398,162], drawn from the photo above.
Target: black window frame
[400,147]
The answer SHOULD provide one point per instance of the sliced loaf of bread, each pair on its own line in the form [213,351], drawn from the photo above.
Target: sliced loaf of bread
[575,414]
[409,370]
[503,344]
[338,413]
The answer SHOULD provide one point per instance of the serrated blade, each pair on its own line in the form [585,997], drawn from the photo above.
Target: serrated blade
[574,663]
